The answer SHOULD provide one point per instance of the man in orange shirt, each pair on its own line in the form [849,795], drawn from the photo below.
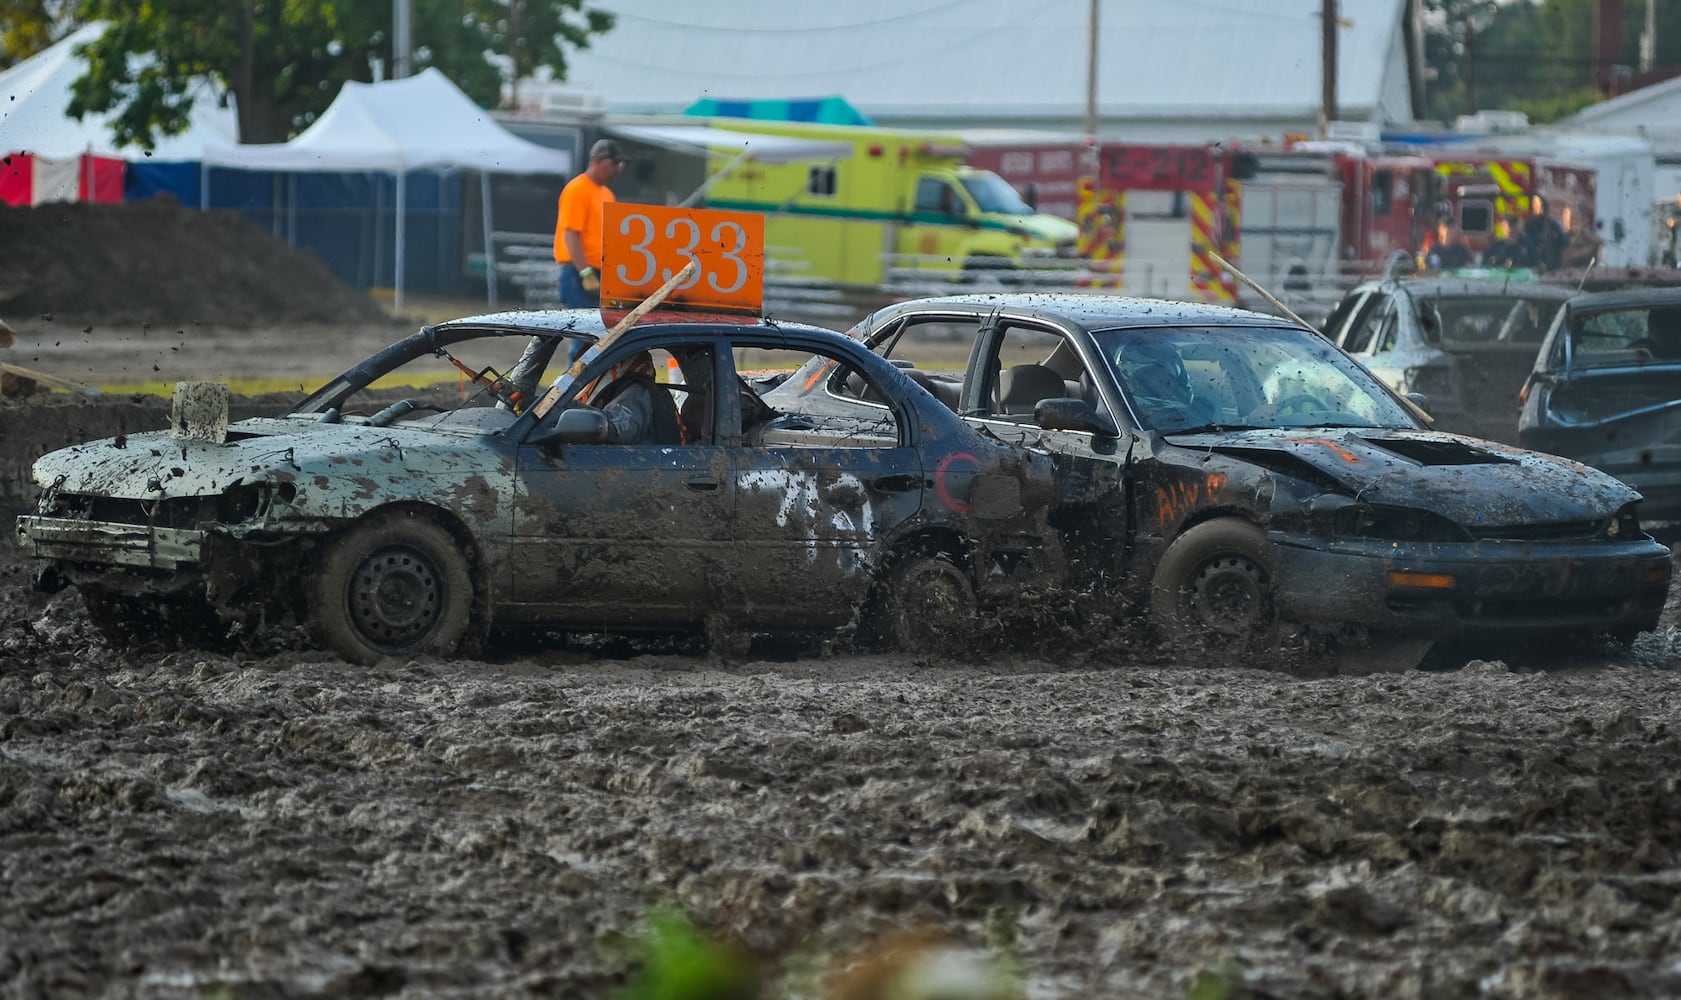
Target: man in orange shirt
[578,229]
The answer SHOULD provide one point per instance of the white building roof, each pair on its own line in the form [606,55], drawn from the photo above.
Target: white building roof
[1000,60]
[1654,112]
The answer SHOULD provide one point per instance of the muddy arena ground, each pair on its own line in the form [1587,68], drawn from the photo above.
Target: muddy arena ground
[1107,821]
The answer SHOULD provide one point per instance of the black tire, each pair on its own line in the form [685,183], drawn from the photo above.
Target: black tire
[124,620]
[925,604]
[394,585]
[1213,589]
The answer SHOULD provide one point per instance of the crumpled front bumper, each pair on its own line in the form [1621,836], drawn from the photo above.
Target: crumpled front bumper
[1496,586]
[108,543]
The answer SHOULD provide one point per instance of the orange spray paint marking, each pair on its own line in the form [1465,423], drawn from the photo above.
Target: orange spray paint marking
[1180,499]
[1342,453]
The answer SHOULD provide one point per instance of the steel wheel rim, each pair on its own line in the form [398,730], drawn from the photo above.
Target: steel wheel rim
[395,597]
[1228,594]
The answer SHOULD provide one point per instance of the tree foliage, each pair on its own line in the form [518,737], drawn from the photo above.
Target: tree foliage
[283,61]
[1535,56]
[28,26]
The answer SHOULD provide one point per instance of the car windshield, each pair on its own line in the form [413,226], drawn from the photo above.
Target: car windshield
[994,194]
[1184,378]
[1633,336]
[499,368]
[1494,319]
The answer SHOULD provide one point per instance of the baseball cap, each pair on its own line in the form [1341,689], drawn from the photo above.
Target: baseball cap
[607,149]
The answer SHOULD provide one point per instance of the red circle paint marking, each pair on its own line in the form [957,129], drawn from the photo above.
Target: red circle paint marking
[940,480]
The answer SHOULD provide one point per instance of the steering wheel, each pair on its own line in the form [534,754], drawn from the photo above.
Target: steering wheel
[401,407]
[1300,402]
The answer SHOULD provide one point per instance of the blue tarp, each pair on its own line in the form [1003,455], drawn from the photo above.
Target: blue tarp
[346,219]
[825,110]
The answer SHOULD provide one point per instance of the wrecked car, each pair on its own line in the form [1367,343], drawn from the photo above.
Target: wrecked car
[1463,344]
[397,521]
[1606,391]
[1232,477]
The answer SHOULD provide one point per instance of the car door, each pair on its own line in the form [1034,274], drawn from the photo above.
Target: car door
[1091,500]
[627,535]
[816,502]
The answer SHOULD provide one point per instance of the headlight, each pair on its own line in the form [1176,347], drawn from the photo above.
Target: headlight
[1624,525]
[1398,524]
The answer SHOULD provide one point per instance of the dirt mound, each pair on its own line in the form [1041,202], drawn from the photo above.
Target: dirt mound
[158,262]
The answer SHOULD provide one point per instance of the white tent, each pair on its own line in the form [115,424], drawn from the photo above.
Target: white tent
[35,93]
[421,122]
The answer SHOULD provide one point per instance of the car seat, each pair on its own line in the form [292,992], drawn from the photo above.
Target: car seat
[1021,387]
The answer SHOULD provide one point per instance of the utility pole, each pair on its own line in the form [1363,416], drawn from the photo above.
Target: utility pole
[1327,66]
[1470,66]
[402,37]
[1649,39]
[514,12]
[1091,74]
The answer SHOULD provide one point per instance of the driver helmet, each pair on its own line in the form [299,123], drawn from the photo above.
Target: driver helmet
[640,363]
[1156,375]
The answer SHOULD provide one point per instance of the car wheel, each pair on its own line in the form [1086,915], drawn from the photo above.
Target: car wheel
[925,604]
[395,585]
[1213,588]
[125,619]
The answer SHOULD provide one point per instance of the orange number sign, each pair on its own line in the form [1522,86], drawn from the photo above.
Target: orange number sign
[644,245]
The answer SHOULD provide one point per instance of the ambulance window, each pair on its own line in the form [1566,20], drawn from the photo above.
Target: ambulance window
[821,180]
[936,196]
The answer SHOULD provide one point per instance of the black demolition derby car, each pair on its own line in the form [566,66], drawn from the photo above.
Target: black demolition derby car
[1606,391]
[1233,476]
[404,520]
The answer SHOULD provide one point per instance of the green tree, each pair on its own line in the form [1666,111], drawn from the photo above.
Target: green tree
[1534,56]
[283,61]
[28,26]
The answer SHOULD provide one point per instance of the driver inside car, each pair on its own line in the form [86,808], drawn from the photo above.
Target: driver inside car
[1161,387]
[639,410]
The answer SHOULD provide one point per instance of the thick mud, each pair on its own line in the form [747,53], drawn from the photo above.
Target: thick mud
[188,824]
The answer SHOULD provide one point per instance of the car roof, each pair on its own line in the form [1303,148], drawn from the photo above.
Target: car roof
[594,323]
[1447,288]
[1625,297]
[1096,312]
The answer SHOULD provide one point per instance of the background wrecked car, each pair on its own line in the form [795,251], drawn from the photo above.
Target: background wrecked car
[1606,391]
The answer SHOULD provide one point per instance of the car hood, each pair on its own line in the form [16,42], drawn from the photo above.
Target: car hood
[1467,480]
[155,464]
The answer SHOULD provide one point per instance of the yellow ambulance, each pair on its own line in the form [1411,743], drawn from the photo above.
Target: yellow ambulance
[902,203]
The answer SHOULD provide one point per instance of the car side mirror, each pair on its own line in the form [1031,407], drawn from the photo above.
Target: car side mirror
[578,425]
[1419,400]
[1070,414]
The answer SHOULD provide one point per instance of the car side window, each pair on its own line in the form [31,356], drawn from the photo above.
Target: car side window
[1031,364]
[1362,334]
[933,350]
[673,403]
[760,370]
[1339,317]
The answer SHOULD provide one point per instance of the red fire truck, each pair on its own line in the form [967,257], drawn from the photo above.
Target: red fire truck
[1311,217]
